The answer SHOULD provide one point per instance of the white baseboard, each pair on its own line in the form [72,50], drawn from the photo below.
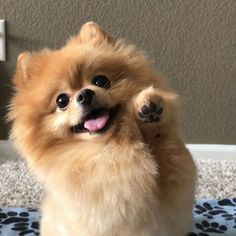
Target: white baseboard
[199,151]
[215,152]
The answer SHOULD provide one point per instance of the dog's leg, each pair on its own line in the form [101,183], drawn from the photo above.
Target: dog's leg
[156,113]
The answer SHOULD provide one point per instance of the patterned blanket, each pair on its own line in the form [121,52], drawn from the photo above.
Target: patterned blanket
[211,218]
[214,217]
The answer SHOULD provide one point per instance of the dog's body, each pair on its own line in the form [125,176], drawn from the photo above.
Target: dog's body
[106,148]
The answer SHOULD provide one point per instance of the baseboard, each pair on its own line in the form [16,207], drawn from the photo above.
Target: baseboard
[199,151]
[215,152]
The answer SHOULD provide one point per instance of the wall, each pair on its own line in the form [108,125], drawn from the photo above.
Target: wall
[192,43]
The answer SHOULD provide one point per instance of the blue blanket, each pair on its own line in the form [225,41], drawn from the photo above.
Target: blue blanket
[214,217]
[211,218]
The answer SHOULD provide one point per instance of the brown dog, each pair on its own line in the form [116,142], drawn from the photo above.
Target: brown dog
[99,128]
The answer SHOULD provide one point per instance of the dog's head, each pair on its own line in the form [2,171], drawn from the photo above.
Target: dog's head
[79,92]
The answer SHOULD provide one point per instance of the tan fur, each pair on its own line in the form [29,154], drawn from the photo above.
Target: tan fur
[126,181]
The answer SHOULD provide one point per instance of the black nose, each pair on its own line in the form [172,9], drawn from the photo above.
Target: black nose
[85,96]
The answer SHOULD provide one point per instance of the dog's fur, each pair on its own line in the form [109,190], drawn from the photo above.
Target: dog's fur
[136,178]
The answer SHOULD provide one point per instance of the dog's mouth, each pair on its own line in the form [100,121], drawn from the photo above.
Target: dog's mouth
[97,121]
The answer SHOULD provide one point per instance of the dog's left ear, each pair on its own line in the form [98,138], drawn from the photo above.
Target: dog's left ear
[94,34]
[23,69]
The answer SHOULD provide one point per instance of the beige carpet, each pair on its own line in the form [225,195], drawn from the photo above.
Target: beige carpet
[18,187]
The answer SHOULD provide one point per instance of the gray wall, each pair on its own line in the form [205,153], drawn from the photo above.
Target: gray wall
[193,43]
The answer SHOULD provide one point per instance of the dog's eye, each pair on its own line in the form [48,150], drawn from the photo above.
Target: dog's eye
[101,81]
[62,100]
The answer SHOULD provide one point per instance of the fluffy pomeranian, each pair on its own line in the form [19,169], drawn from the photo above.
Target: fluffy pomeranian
[99,128]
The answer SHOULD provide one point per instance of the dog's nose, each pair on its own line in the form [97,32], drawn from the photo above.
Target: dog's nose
[85,96]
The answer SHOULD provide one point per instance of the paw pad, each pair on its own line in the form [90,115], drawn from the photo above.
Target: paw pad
[151,112]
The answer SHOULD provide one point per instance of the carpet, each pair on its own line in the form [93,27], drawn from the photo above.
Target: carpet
[19,188]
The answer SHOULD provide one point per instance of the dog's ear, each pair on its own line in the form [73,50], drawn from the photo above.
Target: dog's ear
[94,34]
[22,71]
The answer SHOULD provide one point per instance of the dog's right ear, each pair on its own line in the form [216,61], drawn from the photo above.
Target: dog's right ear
[92,33]
[22,71]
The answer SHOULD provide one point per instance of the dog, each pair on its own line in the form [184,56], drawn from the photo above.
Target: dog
[99,127]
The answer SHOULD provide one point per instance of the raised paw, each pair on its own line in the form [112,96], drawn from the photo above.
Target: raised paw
[149,105]
[150,112]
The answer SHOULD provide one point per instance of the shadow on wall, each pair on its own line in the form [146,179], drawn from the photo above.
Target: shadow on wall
[5,92]
[25,42]
[6,71]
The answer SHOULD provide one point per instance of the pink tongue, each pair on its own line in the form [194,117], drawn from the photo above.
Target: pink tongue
[96,124]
